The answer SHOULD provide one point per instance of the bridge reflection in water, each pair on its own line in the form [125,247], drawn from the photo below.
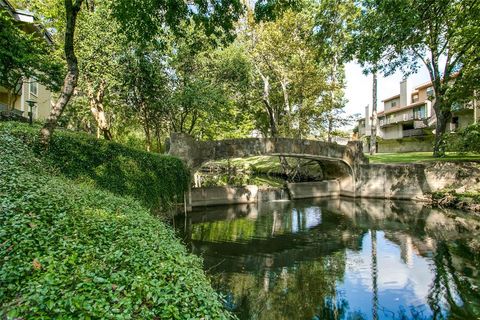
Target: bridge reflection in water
[339,259]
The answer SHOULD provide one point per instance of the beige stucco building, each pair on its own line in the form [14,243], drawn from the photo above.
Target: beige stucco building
[410,114]
[28,89]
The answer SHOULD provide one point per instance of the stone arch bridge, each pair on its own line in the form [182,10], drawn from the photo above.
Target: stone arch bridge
[195,153]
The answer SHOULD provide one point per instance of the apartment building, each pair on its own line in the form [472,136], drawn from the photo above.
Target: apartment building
[407,121]
[28,89]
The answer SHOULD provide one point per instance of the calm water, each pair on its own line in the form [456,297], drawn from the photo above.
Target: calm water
[339,259]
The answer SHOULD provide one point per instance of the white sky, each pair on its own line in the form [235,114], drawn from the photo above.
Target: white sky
[358,89]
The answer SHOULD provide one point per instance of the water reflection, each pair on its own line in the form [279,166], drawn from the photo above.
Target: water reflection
[339,259]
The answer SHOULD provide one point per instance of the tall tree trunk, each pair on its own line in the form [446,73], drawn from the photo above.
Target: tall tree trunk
[268,105]
[98,111]
[330,128]
[288,108]
[158,136]
[70,82]
[440,127]
[332,96]
[146,128]
[101,119]
[373,136]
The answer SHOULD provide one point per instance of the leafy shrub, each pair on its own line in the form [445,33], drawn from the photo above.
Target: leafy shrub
[71,251]
[466,140]
[155,180]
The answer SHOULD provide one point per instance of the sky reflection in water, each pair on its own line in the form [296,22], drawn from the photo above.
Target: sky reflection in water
[338,259]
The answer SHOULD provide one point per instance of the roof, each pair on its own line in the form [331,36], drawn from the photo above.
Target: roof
[412,105]
[7,6]
[424,85]
[391,98]
[429,83]
[24,16]
[27,17]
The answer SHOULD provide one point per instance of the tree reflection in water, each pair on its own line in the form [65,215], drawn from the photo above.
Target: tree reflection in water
[339,259]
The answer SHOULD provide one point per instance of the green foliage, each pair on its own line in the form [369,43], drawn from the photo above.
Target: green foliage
[155,180]
[72,251]
[24,55]
[294,82]
[144,20]
[466,140]
[269,10]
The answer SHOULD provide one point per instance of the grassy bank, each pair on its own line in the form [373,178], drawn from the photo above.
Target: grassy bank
[410,157]
[72,248]
[155,180]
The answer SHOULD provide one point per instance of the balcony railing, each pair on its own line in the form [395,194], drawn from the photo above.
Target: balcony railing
[460,106]
[403,118]
[413,133]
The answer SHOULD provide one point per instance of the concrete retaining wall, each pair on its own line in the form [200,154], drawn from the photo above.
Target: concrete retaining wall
[414,181]
[329,188]
[210,196]
[418,144]
[399,181]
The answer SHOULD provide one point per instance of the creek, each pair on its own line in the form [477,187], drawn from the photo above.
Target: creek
[339,259]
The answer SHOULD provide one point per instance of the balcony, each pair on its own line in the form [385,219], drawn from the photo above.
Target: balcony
[413,133]
[401,119]
[459,107]
[396,119]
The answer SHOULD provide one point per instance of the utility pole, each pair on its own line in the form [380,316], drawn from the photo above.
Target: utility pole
[373,136]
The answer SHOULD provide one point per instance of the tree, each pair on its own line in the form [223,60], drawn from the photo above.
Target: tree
[403,34]
[290,74]
[335,119]
[141,21]
[71,78]
[197,101]
[373,135]
[24,56]
[100,49]
[144,80]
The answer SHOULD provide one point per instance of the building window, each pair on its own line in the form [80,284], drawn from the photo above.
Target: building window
[33,87]
[420,112]
[415,98]
[394,104]
[430,93]
[391,119]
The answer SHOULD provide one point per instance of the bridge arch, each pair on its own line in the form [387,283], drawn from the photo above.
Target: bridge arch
[195,153]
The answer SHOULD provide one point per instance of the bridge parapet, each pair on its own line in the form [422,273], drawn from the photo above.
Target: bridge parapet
[195,153]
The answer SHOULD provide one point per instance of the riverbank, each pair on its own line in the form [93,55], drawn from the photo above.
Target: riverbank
[463,200]
[78,239]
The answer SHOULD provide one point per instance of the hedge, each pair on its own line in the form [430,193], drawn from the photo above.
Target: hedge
[156,180]
[69,250]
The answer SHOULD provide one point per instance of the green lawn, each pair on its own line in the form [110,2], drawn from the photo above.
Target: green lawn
[408,157]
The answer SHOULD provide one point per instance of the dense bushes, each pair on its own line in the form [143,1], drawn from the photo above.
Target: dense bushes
[466,140]
[71,251]
[155,180]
